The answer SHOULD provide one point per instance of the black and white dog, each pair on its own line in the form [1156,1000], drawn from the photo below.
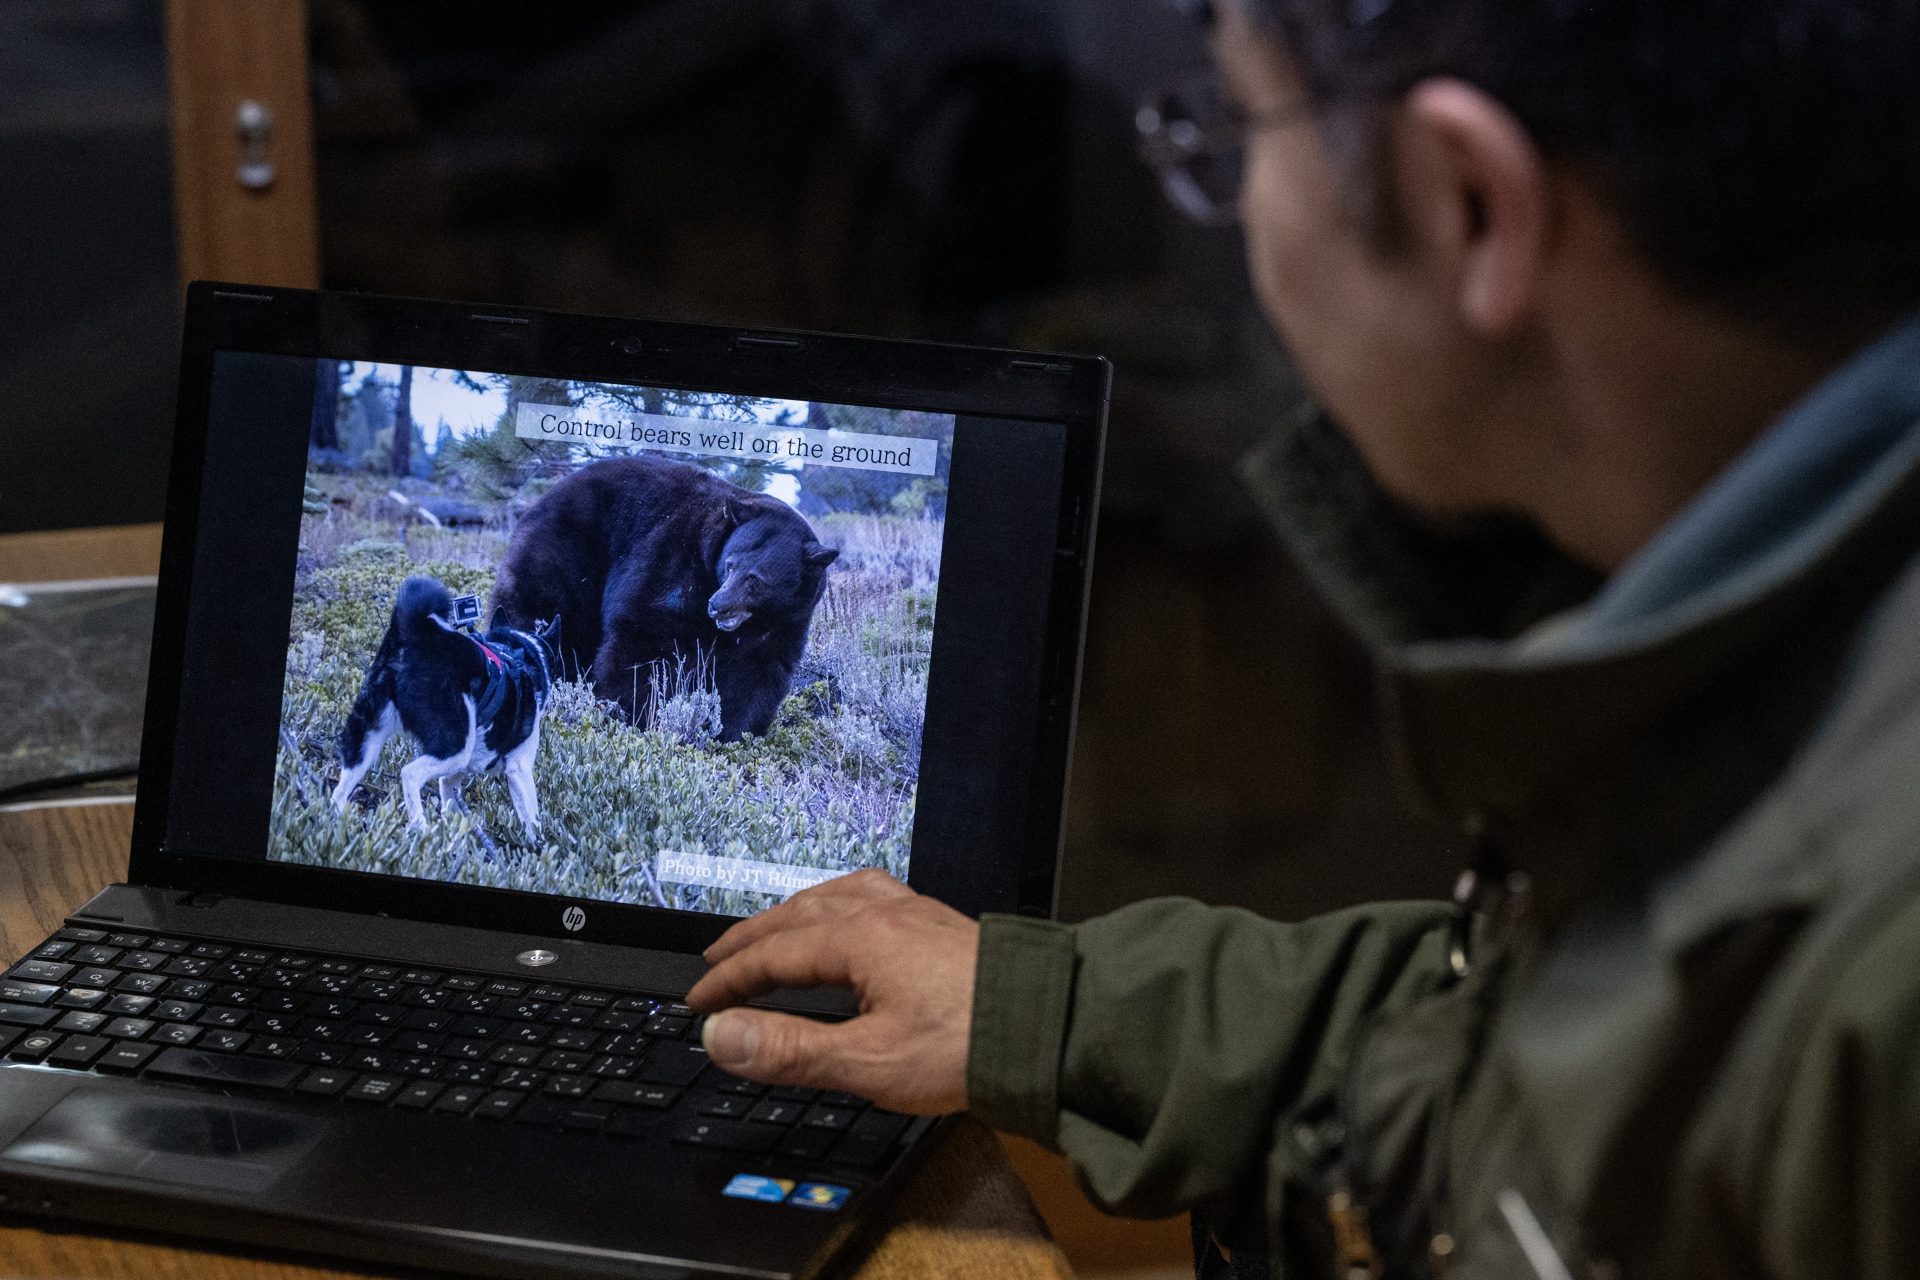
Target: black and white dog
[472,702]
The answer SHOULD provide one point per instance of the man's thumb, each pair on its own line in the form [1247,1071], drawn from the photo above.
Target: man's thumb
[775,1048]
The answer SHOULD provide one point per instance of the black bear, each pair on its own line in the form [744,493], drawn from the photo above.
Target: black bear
[655,561]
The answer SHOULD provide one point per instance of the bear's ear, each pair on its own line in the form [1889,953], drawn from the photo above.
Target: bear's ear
[738,512]
[819,555]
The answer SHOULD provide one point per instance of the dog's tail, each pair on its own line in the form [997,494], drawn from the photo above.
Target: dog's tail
[416,605]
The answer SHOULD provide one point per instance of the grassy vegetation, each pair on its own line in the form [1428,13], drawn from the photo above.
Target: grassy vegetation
[830,786]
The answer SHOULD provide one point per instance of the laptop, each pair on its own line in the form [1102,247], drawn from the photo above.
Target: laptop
[502,660]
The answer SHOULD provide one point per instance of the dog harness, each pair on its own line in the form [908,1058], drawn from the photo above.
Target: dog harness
[500,672]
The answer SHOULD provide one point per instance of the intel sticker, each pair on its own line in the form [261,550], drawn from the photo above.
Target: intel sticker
[751,1186]
[819,1195]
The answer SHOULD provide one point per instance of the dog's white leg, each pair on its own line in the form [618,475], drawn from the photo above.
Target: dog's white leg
[520,785]
[369,752]
[421,770]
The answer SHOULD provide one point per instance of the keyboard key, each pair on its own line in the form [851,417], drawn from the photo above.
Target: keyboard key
[503,987]
[273,1047]
[419,977]
[33,1046]
[94,979]
[210,951]
[673,1062]
[27,992]
[224,1018]
[498,1105]
[615,1020]
[189,989]
[51,950]
[125,1058]
[569,1086]
[825,1117]
[40,971]
[8,1035]
[26,1015]
[177,1010]
[420,1042]
[81,935]
[135,940]
[725,1083]
[460,1099]
[78,1052]
[728,1106]
[573,1015]
[612,1068]
[788,1094]
[330,1008]
[775,1111]
[343,968]
[575,1038]
[378,972]
[418,1095]
[223,1069]
[727,1135]
[249,955]
[652,1096]
[807,1144]
[592,999]
[140,984]
[142,961]
[326,1082]
[461,982]
[319,1053]
[92,955]
[468,1072]
[560,1060]
[186,967]
[665,1027]
[549,994]
[519,1078]
[626,1123]
[81,998]
[225,1041]
[375,1088]
[834,1098]
[586,1116]
[129,1005]
[85,1023]
[636,1004]
[175,1033]
[432,1020]
[167,946]
[128,1028]
[514,1055]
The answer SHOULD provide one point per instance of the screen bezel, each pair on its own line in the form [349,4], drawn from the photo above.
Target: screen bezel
[1068,390]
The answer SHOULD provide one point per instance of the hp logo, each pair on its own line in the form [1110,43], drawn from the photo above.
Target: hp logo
[574,918]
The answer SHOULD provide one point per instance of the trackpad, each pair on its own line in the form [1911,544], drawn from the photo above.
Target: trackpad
[201,1143]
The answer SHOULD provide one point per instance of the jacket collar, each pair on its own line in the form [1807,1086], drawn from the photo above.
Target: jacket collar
[1605,752]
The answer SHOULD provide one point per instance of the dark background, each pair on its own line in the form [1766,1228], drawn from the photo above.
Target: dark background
[902,167]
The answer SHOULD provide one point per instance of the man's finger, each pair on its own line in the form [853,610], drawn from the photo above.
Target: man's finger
[811,956]
[779,1048]
[807,907]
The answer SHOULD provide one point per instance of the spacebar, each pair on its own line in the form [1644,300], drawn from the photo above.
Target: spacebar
[218,1068]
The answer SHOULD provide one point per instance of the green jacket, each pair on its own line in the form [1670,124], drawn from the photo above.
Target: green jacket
[1673,1029]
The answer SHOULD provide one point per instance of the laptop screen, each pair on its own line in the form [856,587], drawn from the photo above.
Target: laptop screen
[653,645]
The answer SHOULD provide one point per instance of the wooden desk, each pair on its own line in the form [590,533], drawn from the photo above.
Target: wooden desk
[963,1216]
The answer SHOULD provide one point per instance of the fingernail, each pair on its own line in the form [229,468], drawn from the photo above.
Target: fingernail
[730,1039]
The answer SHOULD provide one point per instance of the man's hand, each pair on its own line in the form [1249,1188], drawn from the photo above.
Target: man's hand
[908,958]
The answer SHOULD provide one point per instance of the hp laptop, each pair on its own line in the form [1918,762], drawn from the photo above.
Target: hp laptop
[502,660]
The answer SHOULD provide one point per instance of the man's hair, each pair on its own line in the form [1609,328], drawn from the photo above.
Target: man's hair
[1754,150]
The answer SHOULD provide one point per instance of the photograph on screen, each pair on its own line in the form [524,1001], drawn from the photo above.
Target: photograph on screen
[635,644]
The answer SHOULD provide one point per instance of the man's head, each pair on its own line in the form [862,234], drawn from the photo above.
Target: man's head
[1490,212]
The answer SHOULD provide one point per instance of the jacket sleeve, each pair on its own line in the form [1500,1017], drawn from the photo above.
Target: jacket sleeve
[1161,1048]
[1843,1182]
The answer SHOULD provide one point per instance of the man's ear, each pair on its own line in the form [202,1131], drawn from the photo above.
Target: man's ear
[1476,197]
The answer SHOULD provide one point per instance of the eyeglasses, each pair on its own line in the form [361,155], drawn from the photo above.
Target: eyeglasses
[1194,137]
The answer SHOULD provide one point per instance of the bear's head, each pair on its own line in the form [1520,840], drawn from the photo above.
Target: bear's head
[771,567]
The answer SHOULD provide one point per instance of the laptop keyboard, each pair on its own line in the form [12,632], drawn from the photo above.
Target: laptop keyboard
[464,1046]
